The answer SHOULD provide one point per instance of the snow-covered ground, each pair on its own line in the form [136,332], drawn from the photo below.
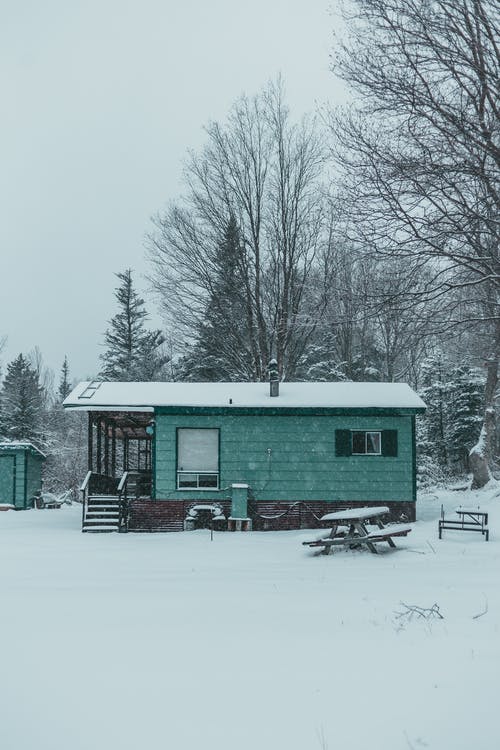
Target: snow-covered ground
[125,642]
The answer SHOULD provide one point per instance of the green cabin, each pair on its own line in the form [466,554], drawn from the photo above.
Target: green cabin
[171,456]
[20,474]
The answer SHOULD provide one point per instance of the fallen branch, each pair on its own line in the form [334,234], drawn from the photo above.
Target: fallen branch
[480,614]
[413,610]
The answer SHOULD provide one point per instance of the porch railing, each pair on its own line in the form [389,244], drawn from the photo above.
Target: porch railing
[132,484]
[84,489]
[96,484]
[123,503]
[100,484]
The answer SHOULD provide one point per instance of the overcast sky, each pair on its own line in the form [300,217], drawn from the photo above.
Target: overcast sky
[100,101]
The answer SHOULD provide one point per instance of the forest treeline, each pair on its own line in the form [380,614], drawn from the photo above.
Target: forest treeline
[359,243]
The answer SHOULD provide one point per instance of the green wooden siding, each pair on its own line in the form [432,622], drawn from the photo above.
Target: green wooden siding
[289,457]
[7,479]
[20,477]
[33,477]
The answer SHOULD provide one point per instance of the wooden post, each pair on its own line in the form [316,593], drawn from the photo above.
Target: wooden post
[106,447]
[90,456]
[98,447]
[113,451]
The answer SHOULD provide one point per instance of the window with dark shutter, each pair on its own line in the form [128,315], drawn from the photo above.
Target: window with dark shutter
[366,443]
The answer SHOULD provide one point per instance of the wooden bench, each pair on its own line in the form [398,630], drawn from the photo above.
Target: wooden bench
[386,534]
[380,535]
[470,519]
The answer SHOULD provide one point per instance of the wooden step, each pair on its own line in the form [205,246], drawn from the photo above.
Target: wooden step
[100,528]
[101,519]
[102,514]
[102,510]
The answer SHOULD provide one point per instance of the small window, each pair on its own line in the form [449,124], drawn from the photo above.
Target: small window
[197,459]
[366,443]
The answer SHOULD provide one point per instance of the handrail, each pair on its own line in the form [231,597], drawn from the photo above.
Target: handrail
[123,502]
[85,481]
[122,482]
[84,489]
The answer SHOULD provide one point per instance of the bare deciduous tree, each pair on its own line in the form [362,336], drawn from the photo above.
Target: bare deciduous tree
[264,172]
[421,150]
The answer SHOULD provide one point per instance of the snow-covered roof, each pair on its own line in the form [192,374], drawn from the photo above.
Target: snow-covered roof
[145,396]
[16,445]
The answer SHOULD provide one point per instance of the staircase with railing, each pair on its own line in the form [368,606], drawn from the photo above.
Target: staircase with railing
[105,500]
[100,503]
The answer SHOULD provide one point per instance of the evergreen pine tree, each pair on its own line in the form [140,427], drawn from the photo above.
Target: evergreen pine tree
[452,422]
[133,352]
[64,382]
[465,413]
[433,434]
[221,350]
[21,402]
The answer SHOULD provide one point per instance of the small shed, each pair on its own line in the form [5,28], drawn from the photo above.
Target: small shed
[20,474]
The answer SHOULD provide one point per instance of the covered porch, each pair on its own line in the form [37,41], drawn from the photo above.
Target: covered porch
[120,443]
[120,466]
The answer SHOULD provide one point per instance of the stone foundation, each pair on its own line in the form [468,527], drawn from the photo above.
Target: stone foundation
[169,515]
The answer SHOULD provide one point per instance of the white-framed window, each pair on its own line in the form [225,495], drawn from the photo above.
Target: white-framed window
[197,458]
[366,443]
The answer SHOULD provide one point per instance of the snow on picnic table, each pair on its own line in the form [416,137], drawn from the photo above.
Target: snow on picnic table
[125,642]
[356,513]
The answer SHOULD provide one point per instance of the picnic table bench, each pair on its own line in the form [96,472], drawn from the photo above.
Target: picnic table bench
[469,519]
[356,521]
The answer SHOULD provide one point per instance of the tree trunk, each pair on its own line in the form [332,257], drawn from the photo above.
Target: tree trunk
[481,455]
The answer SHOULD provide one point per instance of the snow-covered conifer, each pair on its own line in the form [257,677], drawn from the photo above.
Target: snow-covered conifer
[22,402]
[132,352]
[465,412]
[64,381]
[221,351]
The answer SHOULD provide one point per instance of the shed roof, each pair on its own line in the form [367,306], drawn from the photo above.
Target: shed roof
[99,396]
[16,445]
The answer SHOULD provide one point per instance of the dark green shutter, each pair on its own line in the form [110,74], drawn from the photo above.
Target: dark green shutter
[389,442]
[343,443]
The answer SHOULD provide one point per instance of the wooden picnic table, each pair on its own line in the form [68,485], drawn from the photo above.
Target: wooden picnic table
[356,521]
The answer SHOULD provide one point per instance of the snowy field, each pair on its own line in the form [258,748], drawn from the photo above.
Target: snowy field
[249,641]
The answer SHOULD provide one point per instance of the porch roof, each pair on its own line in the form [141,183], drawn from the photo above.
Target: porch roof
[102,396]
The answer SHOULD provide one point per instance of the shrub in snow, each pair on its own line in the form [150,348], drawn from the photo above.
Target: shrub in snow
[430,473]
